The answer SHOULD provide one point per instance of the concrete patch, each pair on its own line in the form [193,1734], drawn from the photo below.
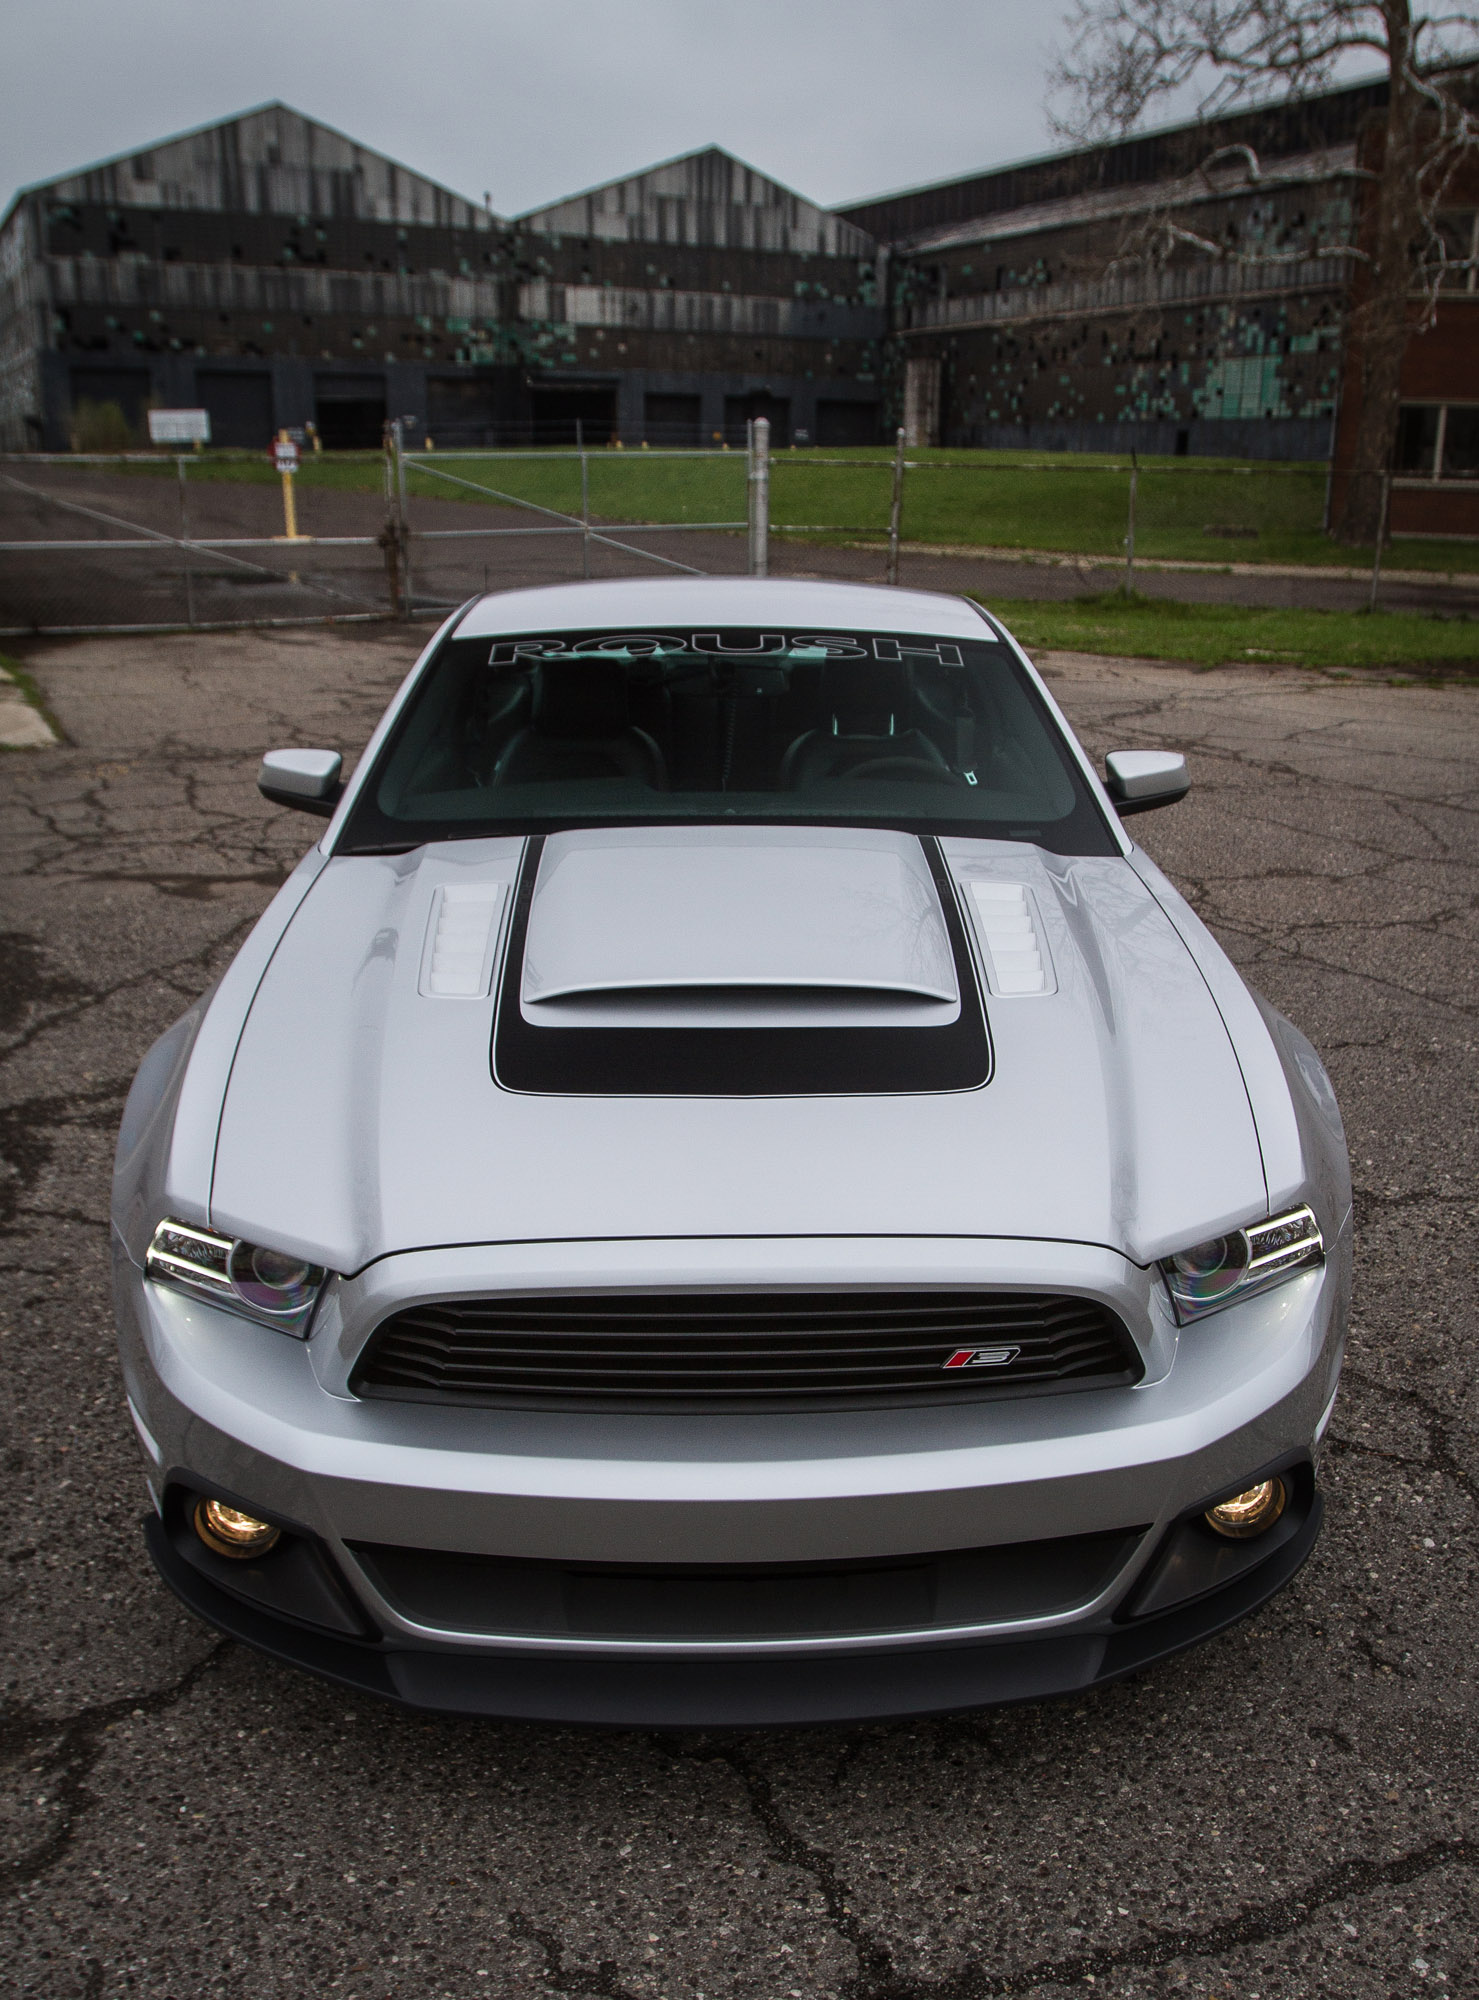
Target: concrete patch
[22,725]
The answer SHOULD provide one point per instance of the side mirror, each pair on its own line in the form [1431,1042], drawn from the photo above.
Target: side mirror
[306,779]
[1140,780]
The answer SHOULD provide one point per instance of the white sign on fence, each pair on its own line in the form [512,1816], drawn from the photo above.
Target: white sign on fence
[179,427]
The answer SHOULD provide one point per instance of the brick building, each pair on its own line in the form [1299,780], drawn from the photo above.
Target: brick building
[1435,468]
[1180,291]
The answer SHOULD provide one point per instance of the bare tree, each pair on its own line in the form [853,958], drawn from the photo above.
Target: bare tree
[1123,55]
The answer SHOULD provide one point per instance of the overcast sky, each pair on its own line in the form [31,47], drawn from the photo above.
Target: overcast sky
[529,100]
[533,99]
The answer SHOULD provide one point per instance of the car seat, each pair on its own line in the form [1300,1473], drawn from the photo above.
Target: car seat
[579,727]
[870,733]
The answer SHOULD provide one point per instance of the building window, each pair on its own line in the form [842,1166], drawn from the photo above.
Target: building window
[1461,444]
[1459,230]
[1417,441]
[1438,441]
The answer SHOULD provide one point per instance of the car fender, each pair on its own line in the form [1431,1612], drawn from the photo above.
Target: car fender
[1286,1169]
[1322,1134]
[167,1141]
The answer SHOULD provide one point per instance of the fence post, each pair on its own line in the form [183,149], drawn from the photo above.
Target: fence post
[1130,532]
[897,508]
[403,525]
[585,499]
[760,497]
[180,464]
[1381,535]
[389,538]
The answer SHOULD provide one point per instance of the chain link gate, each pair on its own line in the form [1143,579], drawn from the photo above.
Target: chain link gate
[144,541]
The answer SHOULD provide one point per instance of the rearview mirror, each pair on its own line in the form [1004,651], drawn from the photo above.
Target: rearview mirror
[1140,780]
[306,779]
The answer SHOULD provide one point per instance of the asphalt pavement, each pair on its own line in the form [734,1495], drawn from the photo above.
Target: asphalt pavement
[1290,1812]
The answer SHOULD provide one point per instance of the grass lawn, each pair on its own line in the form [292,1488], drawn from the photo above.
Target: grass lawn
[1210,511]
[1215,635]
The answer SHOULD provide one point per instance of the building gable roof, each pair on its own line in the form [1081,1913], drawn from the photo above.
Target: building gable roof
[704,197]
[269,160]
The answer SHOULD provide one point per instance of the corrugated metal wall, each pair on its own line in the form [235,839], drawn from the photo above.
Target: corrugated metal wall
[271,161]
[706,198]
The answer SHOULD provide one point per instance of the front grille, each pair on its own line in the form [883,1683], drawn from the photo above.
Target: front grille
[723,1350]
[675,1602]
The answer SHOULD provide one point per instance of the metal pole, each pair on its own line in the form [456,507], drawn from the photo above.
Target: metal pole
[1130,534]
[1381,531]
[760,497]
[750,493]
[180,465]
[403,526]
[897,508]
[585,499]
[390,538]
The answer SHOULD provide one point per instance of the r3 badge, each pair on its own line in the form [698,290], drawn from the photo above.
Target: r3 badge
[983,1357]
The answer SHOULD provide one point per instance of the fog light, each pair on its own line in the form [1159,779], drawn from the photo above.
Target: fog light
[1251,1512]
[230,1532]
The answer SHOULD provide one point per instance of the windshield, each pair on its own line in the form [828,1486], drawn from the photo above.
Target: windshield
[529,734]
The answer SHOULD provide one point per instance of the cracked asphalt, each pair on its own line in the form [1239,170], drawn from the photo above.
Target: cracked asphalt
[1290,1812]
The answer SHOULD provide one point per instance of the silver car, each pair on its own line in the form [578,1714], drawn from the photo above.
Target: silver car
[725,1189]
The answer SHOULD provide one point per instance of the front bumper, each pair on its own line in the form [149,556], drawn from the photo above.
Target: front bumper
[226,1407]
[729,1692]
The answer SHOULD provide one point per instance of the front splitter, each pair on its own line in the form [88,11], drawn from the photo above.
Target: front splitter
[730,1691]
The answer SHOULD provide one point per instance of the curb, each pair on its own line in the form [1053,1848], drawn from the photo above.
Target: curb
[24,723]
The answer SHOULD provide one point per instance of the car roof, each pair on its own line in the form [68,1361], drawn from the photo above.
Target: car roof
[641,602]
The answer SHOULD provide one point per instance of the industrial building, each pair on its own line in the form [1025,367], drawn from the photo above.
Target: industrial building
[275,273]
[1183,291]
[681,302]
[1180,291]
[265,268]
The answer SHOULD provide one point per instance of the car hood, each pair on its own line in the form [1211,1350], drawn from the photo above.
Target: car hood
[363,1117]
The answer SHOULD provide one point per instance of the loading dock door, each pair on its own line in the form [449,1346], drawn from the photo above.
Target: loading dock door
[557,410]
[461,411]
[671,420]
[742,410]
[240,406]
[843,423]
[350,412]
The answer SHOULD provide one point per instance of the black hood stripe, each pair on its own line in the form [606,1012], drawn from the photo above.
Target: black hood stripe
[739,1062]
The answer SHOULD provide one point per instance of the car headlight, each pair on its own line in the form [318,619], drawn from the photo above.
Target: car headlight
[1227,1268]
[272,1286]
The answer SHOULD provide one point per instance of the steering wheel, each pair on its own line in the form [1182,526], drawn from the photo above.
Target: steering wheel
[917,769]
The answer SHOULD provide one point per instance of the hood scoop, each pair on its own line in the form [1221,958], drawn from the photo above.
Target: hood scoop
[736,926]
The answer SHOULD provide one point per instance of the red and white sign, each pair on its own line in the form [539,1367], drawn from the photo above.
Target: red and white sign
[285,455]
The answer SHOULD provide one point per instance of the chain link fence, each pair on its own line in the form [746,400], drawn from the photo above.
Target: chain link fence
[144,541]
[1104,511]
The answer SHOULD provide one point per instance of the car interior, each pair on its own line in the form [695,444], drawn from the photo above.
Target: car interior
[793,722]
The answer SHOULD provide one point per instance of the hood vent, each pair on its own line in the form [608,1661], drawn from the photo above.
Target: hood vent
[720,911]
[458,961]
[831,965]
[1007,923]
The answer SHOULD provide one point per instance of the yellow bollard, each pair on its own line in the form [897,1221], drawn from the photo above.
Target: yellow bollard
[285,457]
